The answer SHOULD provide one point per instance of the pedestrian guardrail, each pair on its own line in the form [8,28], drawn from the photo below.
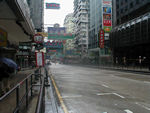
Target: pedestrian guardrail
[23,91]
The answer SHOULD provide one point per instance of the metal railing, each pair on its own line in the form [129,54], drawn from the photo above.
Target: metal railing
[21,98]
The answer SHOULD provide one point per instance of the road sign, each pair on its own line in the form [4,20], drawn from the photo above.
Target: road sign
[38,38]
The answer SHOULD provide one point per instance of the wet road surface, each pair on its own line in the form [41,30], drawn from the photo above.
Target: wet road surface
[89,90]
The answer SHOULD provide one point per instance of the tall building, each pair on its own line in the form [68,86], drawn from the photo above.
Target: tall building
[37,13]
[130,38]
[81,25]
[100,15]
[69,23]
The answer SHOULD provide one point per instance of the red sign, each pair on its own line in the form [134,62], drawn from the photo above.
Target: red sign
[101,40]
[107,22]
[38,38]
[39,59]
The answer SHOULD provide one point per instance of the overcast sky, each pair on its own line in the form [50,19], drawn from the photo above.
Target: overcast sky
[52,16]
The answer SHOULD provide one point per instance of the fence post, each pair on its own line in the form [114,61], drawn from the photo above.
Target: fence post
[31,85]
[26,93]
[17,99]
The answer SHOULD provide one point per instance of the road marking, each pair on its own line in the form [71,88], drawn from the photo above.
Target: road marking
[101,94]
[104,112]
[118,95]
[59,96]
[128,111]
[146,82]
[72,96]
[105,85]
[147,108]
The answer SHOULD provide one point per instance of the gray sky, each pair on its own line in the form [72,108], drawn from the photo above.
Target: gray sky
[52,16]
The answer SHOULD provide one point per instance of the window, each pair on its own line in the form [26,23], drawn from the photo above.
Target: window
[137,1]
[131,4]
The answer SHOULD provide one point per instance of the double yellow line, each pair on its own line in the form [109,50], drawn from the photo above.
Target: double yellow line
[59,96]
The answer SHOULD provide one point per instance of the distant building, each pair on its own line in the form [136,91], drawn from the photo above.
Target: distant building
[81,25]
[69,23]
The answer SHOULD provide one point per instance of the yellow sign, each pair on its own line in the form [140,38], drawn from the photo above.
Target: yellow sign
[3,38]
[44,34]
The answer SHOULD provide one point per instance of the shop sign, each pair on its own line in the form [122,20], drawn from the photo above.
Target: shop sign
[107,29]
[3,38]
[38,38]
[39,59]
[101,40]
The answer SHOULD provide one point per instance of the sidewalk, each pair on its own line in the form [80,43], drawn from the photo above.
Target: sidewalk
[10,101]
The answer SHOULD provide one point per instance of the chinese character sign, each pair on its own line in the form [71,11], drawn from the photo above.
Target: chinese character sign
[107,15]
[39,59]
[101,39]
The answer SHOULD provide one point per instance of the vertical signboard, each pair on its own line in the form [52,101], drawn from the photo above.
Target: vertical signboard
[39,59]
[107,15]
[101,39]
[3,38]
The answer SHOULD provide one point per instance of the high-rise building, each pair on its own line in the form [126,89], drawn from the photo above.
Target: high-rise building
[37,13]
[81,25]
[69,23]
[100,14]
[130,37]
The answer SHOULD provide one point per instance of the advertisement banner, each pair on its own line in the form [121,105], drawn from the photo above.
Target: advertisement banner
[107,23]
[107,29]
[39,59]
[107,10]
[107,15]
[52,6]
[3,38]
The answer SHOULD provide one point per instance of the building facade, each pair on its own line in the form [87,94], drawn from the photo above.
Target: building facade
[98,12]
[69,23]
[81,25]
[130,38]
[37,13]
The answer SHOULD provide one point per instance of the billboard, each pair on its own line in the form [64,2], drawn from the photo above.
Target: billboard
[60,36]
[107,10]
[3,38]
[53,44]
[107,15]
[52,6]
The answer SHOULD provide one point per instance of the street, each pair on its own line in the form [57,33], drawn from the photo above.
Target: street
[91,90]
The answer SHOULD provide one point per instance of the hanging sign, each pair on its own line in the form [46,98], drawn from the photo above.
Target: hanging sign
[39,59]
[38,38]
[101,40]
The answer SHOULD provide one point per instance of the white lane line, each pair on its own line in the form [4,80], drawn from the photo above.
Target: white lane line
[105,85]
[147,108]
[128,111]
[146,82]
[72,96]
[100,94]
[118,95]
[104,112]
